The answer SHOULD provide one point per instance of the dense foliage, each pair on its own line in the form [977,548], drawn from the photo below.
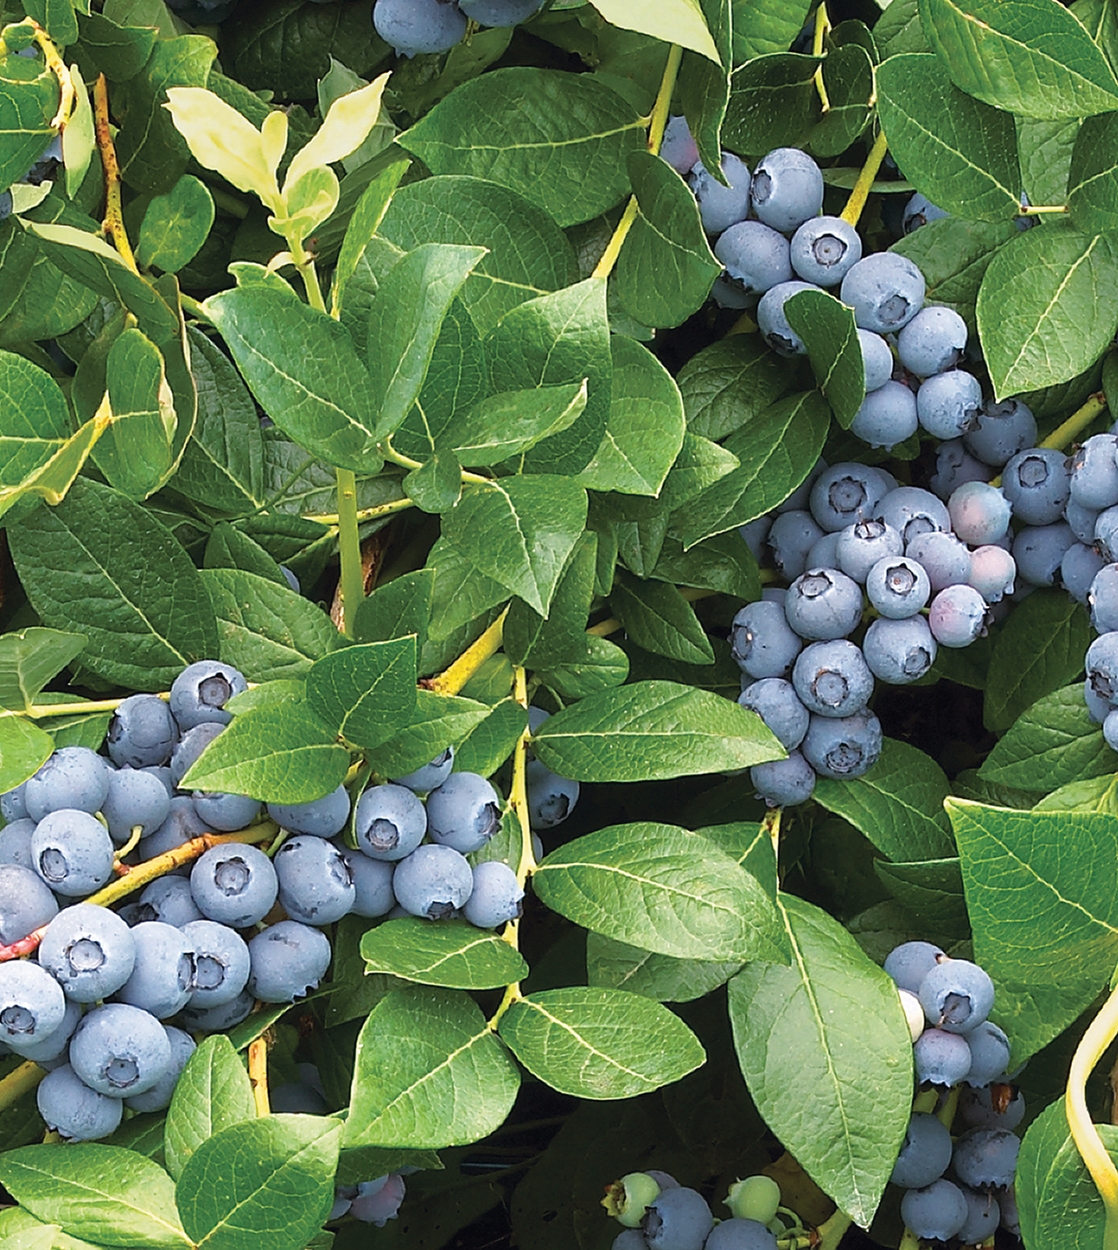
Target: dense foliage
[409,397]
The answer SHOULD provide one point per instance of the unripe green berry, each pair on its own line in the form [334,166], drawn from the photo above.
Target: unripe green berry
[627,1199]
[755,1198]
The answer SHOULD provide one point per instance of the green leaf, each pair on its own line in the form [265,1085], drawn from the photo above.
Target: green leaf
[704,86]
[1055,742]
[175,226]
[100,565]
[24,748]
[848,79]
[487,746]
[723,564]
[963,153]
[1030,57]
[278,754]
[429,1073]
[645,429]
[528,254]
[830,1022]
[558,139]
[439,721]
[931,891]
[666,267]
[98,1192]
[261,1181]
[363,693]
[773,102]
[762,26]
[673,21]
[28,103]
[1046,155]
[519,531]
[1092,193]
[898,804]
[116,49]
[1039,649]
[831,338]
[365,222]
[596,1042]
[617,965]
[303,370]
[650,731]
[602,665]
[1100,794]
[401,606]
[663,889]
[436,486]
[535,642]
[455,954]
[506,424]
[1042,894]
[213,1092]
[29,658]
[549,341]
[730,382]
[1063,310]
[658,618]
[411,302]
[82,729]
[231,548]
[776,450]
[267,630]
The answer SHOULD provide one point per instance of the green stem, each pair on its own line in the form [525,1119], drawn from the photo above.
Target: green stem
[1068,431]
[363,514]
[349,549]
[20,1081]
[192,306]
[1035,210]
[1100,1033]
[950,1106]
[832,1230]
[822,26]
[861,191]
[452,679]
[397,457]
[909,1241]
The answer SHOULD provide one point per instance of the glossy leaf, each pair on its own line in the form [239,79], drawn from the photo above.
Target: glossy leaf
[620,966]
[29,658]
[773,102]
[363,693]
[730,382]
[213,1092]
[455,954]
[438,721]
[24,748]
[1092,189]
[658,618]
[175,225]
[674,21]
[1052,744]
[827,329]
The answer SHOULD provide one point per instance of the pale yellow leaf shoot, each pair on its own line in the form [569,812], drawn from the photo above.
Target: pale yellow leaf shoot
[344,130]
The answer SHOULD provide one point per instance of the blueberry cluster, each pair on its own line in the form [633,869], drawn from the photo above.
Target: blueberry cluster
[93,1006]
[946,1002]
[660,1214]
[413,26]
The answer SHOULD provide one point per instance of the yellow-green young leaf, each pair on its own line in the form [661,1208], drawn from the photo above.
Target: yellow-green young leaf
[78,143]
[212,1093]
[345,129]
[454,954]
[673,21]
[54,477]
[222,139]
[310,199]
[24,748]
[29,659]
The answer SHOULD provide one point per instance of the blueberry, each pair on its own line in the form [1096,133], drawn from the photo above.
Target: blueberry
[73,1110]
[199,694]
[799,499]
[776,702]
[992,573]
[1093,473]
[190,746]
[26,903]
[924,1155]
[934,340]
[979,513]
[986,1157]
[823,250]
[938,1211]
[845,748]
[629,1239]
[181,826]
[919,211]
[378,1201]
[1004,429]
[15,843]
[170,900]
[832,678]
[957,616]
[823,604]
[221,963]
[427,778]
[885,290]
[158,1098]
[5,205]
[1039,550]
[135,798]
[983,1217]
[13,804]
[754,534]
[89,950]
[390,822]
[1011,1221]
[762,641]
[678,147]
[945,559]
[218,1019]
[551,798]
[887,416]
[1102,594]
[162,977]
[989,1054]
[947,404]
[74,778]
[956,995]
[913,511]
[772,322]
[315,884]
[1102,667]
[234,885]
[496,896]
[740,1235]
[298,1098]
[722,207]
[791,537]
[1106,534]
[225,812]
[898,587]
[824,552]
[847,492]
[954,466]
[861,545]
[120,1050]
[978,1109]
[141,733]
[909,963]
[787,189]
[500,12]
[419,26]
[899,651]
[877,359]
[677,1219]
[433,881]
[1110,730]
[755,257]
[941,1058]
[1037,484]
[372,884]
[783,783]
[288,960]
[73,852]
[32,1005]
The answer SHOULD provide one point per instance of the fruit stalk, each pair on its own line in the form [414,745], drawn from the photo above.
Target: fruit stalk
[20,1081]
[861,191]
[258,1074]
[1102,1030]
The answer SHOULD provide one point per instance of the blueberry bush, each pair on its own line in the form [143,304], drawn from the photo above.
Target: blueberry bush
[558,624]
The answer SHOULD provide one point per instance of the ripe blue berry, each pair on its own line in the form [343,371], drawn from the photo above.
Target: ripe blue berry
[419,26]
[1094,473]
[983,1217]
[89,951]
[792,535]
[167,899]
[219,1019]
[1036,483]
[1004,429]
[956,995]
[73,1110]
[1082,521]
[877,359]
[500,12]
[15,843]
[783,783]
[787,189]
[772,322]
[135,798]
[938,1211]
[496,896]
[932,341]
[913,511]
[945,559]
[885,290]
[976,1106]
[234,885]
[989,1054]
[26,903]
[72,852]
[199,693]
[721,207]
[941,1058]
[843,749]
[740,1235]
[887,416]
[120,1050]
[390,822]
[948,404]
[919,211]
[992,572]
[1078,569]
[1102,667]
[433,881]
[678,147]
[823,250]
[158,1098]
[74,779]
[954,466]
[985,1157]
[979,513]
[221,963]
[287,961]
[957,616]
[899,651]
[426,778]
[776,702]
[13,805]
[372,884]
[909,963]
[847,492]
[1039,550]
[824,553]
[898,587]
[162,976]
[225,812]
[755,257]
[678,1219]
[551,798]
[861,545]
[315,885]
[32,1005]
[924,1155]
[463,813]
[823,604]
[321,818]
[762,641]
[190,746]
[141,733]
[1102,597]
[832,678]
